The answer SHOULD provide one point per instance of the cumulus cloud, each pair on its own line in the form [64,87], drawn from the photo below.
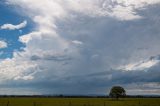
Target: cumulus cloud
[3,44]
[109,37]
[26,38]
[120,9]
[14,27]
[15,69]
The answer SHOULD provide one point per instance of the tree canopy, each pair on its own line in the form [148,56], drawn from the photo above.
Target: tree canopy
[117,91]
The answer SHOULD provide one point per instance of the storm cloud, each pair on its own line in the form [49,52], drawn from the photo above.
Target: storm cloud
[82,47]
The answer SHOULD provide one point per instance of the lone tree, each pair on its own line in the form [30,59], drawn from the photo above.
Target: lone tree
[117,92]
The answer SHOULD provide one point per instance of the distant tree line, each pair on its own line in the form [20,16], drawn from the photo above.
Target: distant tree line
[116,92]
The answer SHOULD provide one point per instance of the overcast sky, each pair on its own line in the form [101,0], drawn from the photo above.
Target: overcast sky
[79,46]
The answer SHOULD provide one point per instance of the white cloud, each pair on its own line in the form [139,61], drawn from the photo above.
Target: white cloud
[124,13]
[13,68]
[26,38]
[120,9]
[126,9]
[28,77]
[14,27]
[77,42]
[50,53]
[3,44]
[45,38]
[142,65]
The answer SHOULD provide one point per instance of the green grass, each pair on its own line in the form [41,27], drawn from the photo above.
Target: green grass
[79,102]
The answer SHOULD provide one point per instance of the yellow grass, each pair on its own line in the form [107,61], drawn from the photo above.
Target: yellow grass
[79,102]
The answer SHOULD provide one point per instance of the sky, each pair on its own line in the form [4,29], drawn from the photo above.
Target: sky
[79,46]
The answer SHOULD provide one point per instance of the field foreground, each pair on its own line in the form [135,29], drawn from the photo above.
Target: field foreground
[79,102]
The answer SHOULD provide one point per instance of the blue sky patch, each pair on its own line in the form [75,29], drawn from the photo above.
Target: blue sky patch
[9,16]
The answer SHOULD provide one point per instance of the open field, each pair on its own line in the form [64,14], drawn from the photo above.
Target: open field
[79,102]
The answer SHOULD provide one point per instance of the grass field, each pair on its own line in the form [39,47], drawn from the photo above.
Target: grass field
[79,102]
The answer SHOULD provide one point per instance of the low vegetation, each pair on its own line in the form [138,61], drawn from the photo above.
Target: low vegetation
[24,101]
